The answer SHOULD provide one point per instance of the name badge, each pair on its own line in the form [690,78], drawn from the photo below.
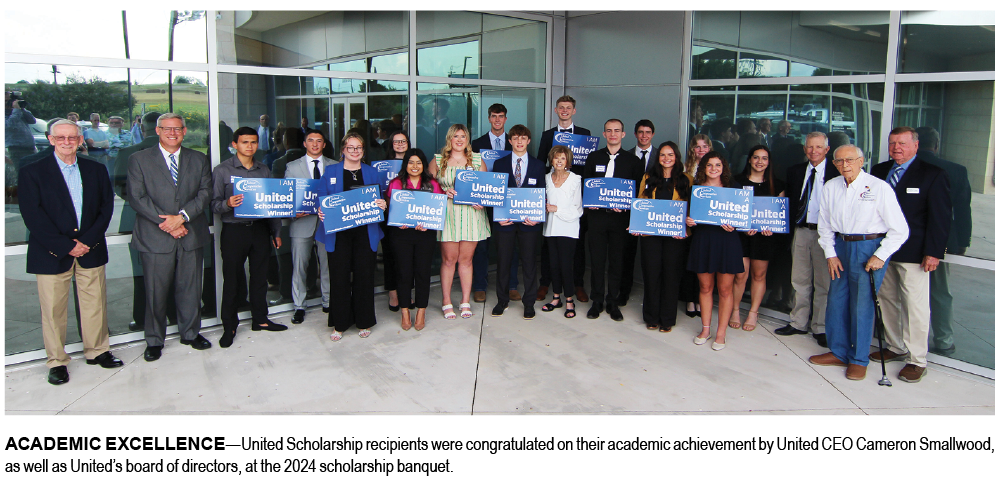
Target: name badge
[333,180]
[532,181]
[601,168]
[911,190]
[232,177]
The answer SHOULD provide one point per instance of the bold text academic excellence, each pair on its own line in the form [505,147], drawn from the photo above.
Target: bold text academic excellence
[116,443]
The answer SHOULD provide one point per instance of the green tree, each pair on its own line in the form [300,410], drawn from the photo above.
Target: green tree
[85,96]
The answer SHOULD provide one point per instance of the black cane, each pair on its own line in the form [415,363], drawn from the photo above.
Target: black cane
[879,329]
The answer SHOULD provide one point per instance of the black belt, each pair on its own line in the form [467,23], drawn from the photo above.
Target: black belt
[859,237]
[809,226]
[249,223]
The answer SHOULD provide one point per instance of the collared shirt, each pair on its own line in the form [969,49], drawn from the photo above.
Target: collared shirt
[648,151]
[523,168]
[310,165]
[813,209]
[501,141]
[571,128]
[903,166]
[71,174]
[263,138]
[167,162]
[867,206]
[223,188]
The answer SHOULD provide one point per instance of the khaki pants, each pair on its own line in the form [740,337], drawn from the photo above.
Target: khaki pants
[53,295]
[904,301]
[810,280]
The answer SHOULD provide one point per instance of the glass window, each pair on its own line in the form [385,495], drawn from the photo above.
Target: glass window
[471,45]
[458,60]
[963,314]
[947,41]
[147,34]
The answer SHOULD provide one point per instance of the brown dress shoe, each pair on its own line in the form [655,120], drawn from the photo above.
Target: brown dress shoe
[890,356]
[827,360]
[479,297]
[515,295]
[542,291]
[912,373]
[581,294]
[855,372]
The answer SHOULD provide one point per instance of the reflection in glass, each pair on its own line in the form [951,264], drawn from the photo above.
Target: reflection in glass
[947,41]
[458,60]
[711,63]
[758,65]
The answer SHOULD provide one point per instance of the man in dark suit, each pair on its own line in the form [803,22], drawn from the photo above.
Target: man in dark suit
[609,228]
[923,193]
[644,150]
[169,188]
[565,108]
[810,276]
[524,172]
[940,299]
[66,203]
[264,134]
[495,139]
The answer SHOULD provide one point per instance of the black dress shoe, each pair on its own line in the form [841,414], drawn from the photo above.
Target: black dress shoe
[106,360]
[790,330]
[271,326]
[199,343]
[615,313]
[393,308]
[595,310]
[152,353]
[943,351]
[528,312]
[298,316]
[821,339]
[691,314]
[623,301]
[135,327]
[228,337]
[59,375]
[498,310]
[325,309]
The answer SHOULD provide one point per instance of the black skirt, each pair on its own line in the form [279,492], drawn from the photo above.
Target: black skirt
[715,250]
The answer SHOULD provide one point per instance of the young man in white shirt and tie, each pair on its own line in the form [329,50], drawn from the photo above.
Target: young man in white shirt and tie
[644,132]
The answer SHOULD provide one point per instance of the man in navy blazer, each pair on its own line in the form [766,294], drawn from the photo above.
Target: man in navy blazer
[67,203]
[923,193]
[524,172]
[496,138]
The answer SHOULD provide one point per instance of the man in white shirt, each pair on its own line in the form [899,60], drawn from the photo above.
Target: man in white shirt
[860,226]
[264,134]
[644,131]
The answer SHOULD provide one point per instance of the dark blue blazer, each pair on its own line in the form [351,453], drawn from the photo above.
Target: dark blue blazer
[332,181]
[927,208]
[547,137]
[48,214]
[534,179]
[484,143]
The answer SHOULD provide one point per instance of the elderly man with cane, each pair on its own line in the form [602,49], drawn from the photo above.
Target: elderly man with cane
[860,226]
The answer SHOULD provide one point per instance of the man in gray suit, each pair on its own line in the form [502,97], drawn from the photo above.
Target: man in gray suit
[303,226]
[169,187]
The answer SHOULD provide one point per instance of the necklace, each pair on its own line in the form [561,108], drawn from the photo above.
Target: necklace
[353,173]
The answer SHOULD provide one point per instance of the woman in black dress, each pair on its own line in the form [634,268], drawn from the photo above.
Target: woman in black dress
[758,248]
[716,255]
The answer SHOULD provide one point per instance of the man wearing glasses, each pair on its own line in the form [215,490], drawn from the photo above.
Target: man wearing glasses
[66,240]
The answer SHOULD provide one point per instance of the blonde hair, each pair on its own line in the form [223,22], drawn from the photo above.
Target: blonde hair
[445,151]
[691,166]
[345,139]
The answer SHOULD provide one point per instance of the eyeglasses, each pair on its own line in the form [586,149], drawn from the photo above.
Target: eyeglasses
[840,162]
[171,129]
[400,142]
[354,149]
[61,139]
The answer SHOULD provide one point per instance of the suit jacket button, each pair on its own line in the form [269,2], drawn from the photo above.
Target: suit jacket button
[74,230]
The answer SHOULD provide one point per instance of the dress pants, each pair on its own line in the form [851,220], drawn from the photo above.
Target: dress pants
[414,251]
[562,249]
[53,296]
[663,261]
[240,242]
[851,312]
[302,255]
[390,262]
[628,269]
[522,243]
[182,270]
[608,231]
[480,263]
[352,267]
[810,280]
[940,302]
[688,291]
[904,301]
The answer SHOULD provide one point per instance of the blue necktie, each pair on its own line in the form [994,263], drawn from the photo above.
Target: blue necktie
[894,177]
[498,144]
[174,169]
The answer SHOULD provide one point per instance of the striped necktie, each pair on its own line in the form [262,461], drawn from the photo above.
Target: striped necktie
[174,168]
[894,177]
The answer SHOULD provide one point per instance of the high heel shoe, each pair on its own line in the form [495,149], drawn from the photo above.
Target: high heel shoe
[699,340]
[734,324]
[751,325]
[570,312]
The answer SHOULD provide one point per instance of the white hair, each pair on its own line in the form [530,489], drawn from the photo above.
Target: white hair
[65,122]
[170,115]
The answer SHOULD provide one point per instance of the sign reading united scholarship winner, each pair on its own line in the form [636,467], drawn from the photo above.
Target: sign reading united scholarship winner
[581,145]
[521,204]
[658,217]
[480,187]
[414,207]
[264,197]
[351,208]
[770,214]
[305,195]
[610,193]
[721,206]
[388,170]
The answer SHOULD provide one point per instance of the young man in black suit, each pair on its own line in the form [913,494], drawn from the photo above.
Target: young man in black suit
[609,228]
[644,150]
[495,139]
[524,172]
[565,108]
[923,193]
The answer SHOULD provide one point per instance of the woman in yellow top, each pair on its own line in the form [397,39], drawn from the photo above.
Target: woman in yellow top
[465,225]
[696,149]
[663,257]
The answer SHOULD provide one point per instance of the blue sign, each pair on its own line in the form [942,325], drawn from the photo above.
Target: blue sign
[305,195]
[522,204]
[388,170]
[581,145]
[413,207]
[721,206]
[480,187]
[658,217]
[264,197]
[610,193]
[770,214]
[351,208]
[489,157]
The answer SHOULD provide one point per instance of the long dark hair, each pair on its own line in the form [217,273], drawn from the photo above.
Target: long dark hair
[425,180]
[769,174]
[389,144]
[654,175]
[700,177]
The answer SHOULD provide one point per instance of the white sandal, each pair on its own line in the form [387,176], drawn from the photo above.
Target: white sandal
[364,333]
[451,315]
[466,311]
[336,336]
